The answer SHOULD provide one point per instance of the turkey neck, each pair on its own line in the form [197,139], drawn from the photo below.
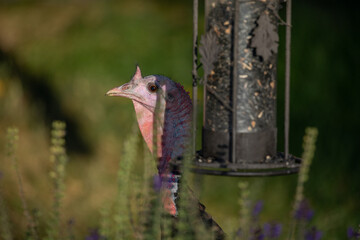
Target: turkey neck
[176,133]
[173,132]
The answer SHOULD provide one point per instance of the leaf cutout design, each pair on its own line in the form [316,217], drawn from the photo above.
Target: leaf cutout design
[209,50]
[266,38]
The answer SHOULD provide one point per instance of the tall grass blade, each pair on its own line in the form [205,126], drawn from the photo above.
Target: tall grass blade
[149,218]
[122,228]
[154,208]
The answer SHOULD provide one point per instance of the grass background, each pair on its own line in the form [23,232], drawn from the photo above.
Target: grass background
[58,59]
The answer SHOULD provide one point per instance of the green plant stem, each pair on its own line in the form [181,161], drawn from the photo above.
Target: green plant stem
[244,209]
[12,136]
[5,232]
[309,146]
[59,158]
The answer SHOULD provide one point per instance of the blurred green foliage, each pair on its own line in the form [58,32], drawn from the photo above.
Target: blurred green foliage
[80,49]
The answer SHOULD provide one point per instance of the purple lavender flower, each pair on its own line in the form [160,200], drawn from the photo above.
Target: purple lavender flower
[238,232]
[258,234]
[304,212]
[272,230]
[313,234]
[352,234]
[257,209]
[157,183]
[94,235]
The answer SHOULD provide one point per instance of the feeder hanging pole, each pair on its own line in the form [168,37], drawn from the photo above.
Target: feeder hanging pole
[287,77]
[235,87]
[194,74]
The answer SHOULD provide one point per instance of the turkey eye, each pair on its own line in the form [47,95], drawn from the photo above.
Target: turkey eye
[152,87]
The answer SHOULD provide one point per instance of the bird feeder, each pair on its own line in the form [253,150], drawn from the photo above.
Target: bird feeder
[238,52]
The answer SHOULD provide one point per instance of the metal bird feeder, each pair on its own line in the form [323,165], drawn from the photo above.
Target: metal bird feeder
[239,58]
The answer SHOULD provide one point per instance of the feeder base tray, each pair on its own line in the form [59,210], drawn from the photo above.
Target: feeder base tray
[275,166]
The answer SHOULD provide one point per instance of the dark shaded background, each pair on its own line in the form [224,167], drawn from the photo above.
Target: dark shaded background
[58,59]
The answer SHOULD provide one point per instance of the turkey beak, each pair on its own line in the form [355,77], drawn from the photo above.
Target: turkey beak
[122,91]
